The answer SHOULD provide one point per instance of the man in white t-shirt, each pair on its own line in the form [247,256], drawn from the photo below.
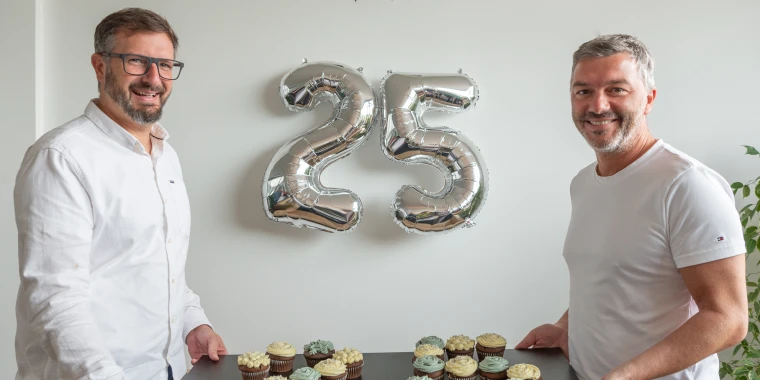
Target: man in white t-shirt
[654,247]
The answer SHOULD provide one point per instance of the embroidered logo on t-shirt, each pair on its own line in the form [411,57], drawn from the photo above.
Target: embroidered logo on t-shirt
[720,238]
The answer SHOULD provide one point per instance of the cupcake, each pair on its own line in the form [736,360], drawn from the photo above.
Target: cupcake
[524,371]
[353,359]
[430,366]
[253,365]
[278,377]
[427,349]
[331,369]
[315,352]
[459,345]
[305,373]
[418,378]
[434,340]
[493,367]
[282,355]
[490,345]
[462,368]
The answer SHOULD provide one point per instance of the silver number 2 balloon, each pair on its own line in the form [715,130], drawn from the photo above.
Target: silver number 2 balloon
[292,191]
[407,139]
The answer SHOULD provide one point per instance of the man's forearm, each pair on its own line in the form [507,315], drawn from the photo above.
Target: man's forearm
[701,336]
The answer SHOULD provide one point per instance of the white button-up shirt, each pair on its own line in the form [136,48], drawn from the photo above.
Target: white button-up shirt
[103,233]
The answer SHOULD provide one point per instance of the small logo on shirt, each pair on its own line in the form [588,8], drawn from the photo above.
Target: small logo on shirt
[720,238]
[172,181]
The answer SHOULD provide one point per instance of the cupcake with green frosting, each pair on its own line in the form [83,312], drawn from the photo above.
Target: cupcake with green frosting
[493,368]
[418,378]
[317,351]
[434,340]
[430,366]
[305,373]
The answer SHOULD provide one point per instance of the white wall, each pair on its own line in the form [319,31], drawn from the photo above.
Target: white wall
[377,288]
[17,125]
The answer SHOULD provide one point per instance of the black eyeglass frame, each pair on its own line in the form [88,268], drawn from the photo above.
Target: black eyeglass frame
[150,60]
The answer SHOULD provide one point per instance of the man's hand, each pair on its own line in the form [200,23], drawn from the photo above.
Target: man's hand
[546,336]
[202,340]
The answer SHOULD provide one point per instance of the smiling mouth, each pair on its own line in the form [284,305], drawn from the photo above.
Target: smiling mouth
[145,94]
[600,122]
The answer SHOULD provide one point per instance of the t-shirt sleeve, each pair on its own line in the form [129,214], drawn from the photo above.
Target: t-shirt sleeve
[703,223]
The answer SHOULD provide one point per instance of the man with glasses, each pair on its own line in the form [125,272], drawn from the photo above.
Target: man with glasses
[104,223]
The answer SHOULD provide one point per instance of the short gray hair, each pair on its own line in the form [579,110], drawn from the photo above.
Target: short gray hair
[611,44]
[131,20]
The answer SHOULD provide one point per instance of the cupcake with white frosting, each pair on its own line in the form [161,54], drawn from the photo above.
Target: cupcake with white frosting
[282,355]
[331,369]
[524,371]
[490,345]
[427,349]
[253,365]
[353,359]
[462,368]
[459,345]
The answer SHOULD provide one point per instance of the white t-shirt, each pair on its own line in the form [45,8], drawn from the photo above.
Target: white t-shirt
[628,235]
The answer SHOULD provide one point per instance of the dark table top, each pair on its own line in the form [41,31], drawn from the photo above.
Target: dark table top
[392,365]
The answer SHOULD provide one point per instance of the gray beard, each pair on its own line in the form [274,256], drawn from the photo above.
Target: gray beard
[121,98]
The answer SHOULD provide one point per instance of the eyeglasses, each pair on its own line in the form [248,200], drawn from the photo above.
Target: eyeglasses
[135,64]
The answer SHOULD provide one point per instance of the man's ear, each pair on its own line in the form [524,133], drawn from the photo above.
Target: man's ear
[99,64]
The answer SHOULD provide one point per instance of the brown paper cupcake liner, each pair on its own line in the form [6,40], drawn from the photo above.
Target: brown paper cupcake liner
[452,354]
[280,366]
[471,377]
[482,354]
[312,362]
[354,372]
[255,375]
[345,375]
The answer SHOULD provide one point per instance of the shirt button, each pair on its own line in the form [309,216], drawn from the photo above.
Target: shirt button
[169,241]
[173,281]
[172,319]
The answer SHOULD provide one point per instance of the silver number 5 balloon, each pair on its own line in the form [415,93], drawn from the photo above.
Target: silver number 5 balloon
[292,192]
[407,139]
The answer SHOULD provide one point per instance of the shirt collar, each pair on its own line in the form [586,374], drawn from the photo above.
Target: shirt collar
[115,131]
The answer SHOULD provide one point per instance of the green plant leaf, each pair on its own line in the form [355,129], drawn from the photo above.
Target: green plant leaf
[736,349]
[740,371]
[757,190]
[737,185]
[751,283]
[751,244]
[745,191]
[750,230]
[757,207]
[751,151]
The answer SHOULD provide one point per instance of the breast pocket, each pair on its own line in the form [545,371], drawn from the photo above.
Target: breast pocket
[182,205]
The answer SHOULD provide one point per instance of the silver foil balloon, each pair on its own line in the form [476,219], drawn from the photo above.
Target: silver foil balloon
[292,191]
[407,139]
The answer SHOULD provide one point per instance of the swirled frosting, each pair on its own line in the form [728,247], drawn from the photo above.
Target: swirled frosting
[461,366]
[434,340]
[523,371]
[281,349]
[427,349]
[253,359]
[419,378]
[429,364]
[331,367]
[492,340]
[493,364]
[305,373]
[278,377]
